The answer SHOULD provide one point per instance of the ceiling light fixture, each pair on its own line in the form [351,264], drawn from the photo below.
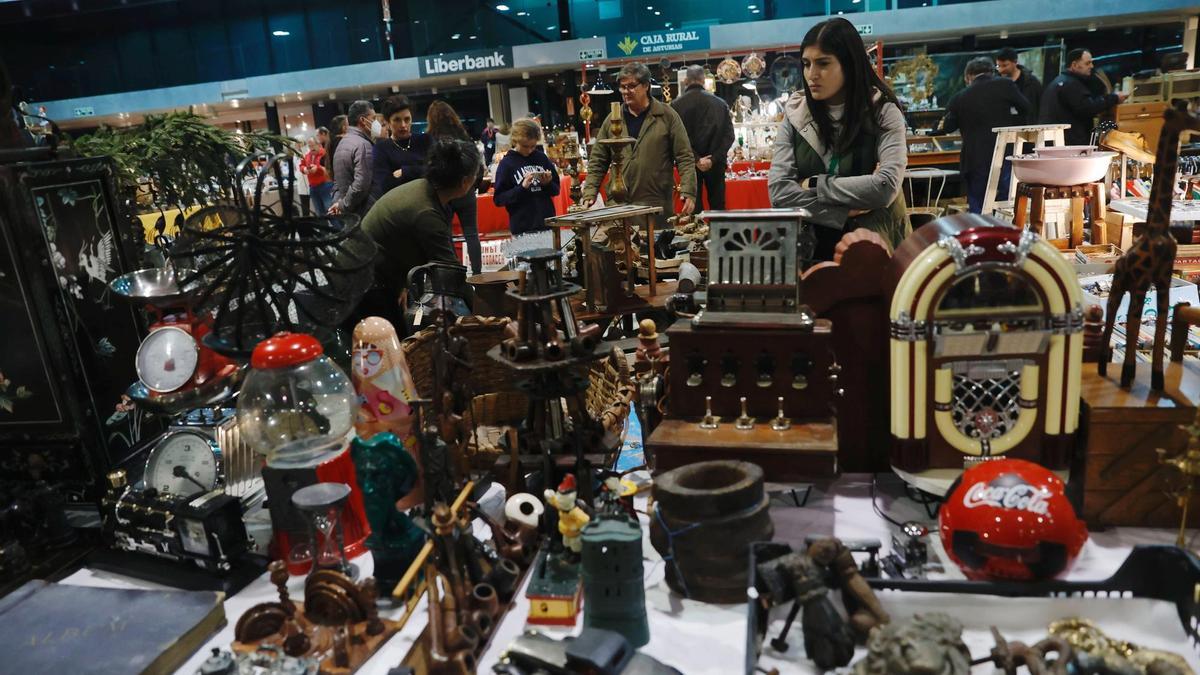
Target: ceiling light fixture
[522,13]
[234,103]
[365,40]
[657,13]
[1091,27]
[455,36]
[502,8]
[280,33]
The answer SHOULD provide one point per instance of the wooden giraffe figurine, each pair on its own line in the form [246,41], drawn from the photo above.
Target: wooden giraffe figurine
[1150,259]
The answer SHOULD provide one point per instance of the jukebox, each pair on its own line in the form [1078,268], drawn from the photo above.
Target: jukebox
[986,349]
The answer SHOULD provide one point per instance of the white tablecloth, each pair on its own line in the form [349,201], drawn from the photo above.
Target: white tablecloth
[700,639]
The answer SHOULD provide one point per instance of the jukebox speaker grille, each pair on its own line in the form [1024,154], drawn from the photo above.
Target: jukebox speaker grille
[987,402]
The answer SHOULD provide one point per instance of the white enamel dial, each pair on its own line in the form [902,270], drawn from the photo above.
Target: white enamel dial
[182,463]
[167,358]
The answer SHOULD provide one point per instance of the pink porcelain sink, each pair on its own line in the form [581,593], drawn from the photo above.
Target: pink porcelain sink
[1061,170]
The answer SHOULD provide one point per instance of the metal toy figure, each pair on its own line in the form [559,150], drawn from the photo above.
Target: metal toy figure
[861,604]
[571,518]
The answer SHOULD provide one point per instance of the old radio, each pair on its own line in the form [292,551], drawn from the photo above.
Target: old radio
[986,349]
[1183,84]
[753,375]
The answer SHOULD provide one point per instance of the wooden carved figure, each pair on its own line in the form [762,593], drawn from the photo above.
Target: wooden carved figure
[1149,261]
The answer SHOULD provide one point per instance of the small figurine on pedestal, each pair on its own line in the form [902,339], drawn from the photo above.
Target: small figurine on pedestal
[385,388]
[387,474]
[571,518]
[554,590]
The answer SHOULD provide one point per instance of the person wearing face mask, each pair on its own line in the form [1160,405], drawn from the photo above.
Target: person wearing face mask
[411,223]
[841,149]
[353,163]
[526,180]
[399,158]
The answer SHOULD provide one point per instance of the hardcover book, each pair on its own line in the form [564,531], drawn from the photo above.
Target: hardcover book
[53,628]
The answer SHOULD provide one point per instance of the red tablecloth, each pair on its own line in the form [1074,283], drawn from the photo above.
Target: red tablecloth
[746,193]
[493,219]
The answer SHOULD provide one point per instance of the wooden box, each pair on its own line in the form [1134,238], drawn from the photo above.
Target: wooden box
[805,451]
[1122,481]
[1143,118]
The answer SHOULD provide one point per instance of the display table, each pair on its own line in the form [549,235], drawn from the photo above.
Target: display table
[1182,210]
[694,637]
[492,219]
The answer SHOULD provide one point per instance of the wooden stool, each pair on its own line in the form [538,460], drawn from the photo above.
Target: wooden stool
[1038,134]
[1033,197]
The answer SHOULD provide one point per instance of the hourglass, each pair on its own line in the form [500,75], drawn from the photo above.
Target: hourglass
[321,505]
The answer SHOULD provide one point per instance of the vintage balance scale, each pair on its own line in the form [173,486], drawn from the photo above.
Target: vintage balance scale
[180,376]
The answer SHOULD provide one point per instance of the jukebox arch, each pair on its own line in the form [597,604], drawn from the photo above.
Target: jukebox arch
[986,347]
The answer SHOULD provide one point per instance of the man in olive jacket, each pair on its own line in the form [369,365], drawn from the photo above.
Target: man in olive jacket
[662,145]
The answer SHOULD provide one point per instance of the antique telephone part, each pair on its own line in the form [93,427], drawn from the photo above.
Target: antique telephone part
[754,348]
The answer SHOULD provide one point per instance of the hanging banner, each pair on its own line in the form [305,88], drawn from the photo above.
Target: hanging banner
[658,42]
[500,58]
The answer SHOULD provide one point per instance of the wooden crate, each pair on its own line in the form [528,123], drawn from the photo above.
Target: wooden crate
[1121,478]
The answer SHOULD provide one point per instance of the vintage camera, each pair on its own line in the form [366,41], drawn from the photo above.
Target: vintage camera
[204,528]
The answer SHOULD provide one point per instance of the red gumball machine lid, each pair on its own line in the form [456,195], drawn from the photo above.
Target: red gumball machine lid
[284,350]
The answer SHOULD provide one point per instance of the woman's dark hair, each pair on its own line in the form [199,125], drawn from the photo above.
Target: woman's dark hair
[395,104]
[339,124]
[840,38]
[450,161]
[444,122]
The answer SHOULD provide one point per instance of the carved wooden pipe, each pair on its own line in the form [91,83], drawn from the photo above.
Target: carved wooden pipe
[485,606]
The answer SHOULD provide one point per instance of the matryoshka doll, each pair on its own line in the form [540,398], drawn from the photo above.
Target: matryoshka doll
[385,386]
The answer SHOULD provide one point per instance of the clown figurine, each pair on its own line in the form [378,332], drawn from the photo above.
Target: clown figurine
[571,518]
[385,386]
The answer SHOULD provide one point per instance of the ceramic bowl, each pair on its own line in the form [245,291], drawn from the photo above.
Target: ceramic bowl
[1061,170]
[1065,151]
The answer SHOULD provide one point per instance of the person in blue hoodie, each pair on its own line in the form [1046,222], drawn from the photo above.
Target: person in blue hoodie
[526,180]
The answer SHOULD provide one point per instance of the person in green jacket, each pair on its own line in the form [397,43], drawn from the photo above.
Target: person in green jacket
[841,150]
[411,224]
[662,146]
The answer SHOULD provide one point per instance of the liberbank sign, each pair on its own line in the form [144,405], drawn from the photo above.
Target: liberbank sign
[441,65]
[658,42]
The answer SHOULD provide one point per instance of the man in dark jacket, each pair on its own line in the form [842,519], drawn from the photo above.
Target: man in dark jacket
[710,131]
[1068,100]
[1029,86]
[354,164]
[989,101]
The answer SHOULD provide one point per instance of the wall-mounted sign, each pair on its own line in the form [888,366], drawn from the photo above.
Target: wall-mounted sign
[85,111]
[866,29]
[499,58]
[658,42]
[591,54]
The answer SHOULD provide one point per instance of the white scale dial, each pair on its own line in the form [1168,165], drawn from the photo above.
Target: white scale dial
[183,463]
[167,358]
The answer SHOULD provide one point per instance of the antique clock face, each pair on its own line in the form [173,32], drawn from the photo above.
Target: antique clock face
[183,463]
[167,358]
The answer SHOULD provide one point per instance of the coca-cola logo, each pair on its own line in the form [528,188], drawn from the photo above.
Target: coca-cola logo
[1008,492]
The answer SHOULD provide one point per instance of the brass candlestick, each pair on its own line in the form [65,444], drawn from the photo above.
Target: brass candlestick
[618,192]
[1188,466]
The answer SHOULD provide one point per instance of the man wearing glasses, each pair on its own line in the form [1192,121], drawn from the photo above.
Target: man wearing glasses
[662,146]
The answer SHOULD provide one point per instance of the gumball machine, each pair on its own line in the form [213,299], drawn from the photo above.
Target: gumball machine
[297,408]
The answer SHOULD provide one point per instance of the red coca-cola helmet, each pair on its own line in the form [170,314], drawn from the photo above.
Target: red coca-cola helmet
[1010,519]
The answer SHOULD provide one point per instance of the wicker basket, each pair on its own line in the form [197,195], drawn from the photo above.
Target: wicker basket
[498,406]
